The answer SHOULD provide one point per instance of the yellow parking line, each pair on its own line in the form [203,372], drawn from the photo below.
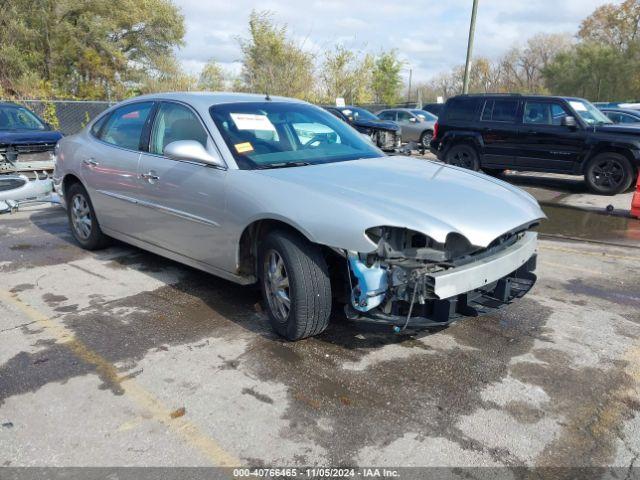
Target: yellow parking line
[593,254]
[129,387]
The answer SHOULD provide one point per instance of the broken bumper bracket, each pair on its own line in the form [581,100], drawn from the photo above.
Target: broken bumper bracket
[439,313]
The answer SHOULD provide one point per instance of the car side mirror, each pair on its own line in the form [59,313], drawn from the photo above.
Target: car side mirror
[413,119]
[569,121]
[191,151]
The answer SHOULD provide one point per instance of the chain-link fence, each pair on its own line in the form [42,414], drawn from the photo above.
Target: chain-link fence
[68,116]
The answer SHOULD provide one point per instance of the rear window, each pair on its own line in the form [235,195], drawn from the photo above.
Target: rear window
[500,111]
[462,109]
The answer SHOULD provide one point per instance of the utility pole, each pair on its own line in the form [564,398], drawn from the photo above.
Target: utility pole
[409,91]
[472,30]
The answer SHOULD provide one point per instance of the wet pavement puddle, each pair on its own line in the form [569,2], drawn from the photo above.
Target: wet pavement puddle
[569,222]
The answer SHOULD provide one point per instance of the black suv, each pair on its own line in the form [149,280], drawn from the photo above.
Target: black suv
[537,133]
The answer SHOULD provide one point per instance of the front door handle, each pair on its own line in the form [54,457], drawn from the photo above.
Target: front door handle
[90,162]
[150,176]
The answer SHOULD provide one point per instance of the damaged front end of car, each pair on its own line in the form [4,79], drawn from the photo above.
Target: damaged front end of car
[411,281]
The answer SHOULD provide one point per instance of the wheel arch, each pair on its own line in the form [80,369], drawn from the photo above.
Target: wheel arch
[251,237]
[473,139]
[609,148]
[68,180]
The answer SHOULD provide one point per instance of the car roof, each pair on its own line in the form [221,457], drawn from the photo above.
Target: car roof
[518,95]
[206,99]
[400,109]
[622,110]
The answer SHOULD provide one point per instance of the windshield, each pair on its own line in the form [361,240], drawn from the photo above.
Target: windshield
[424,115]
[14,117]
[589,112]
[286,134]
[355,114]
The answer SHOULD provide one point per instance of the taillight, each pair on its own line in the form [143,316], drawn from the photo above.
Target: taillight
[435,130]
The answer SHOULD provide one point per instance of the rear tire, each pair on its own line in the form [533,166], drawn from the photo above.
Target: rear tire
[464,156]
[82,219]
[609,173]
[295,285]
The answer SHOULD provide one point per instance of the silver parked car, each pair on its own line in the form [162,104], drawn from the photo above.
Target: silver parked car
[280,192]
[416,125]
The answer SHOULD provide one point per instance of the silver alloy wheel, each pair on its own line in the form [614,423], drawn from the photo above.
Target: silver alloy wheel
[81,216]
[426,139]
[276,284]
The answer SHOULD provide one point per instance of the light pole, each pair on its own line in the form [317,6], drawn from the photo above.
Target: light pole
[467,65]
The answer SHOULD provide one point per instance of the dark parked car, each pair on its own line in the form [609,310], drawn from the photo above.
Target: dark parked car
[622,115]
[433,108]
[26,141]
[540,134]
[386,135]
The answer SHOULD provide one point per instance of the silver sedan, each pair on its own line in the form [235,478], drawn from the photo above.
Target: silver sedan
[280,192]
[416,125]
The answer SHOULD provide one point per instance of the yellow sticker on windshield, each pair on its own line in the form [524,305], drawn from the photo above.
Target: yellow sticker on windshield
[243,147]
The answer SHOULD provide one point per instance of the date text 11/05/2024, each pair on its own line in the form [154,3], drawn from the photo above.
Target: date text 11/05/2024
[316,472]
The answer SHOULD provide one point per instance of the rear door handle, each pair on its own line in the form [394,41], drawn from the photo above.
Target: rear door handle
[90,162]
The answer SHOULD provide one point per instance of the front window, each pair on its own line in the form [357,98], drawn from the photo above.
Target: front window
[404,116]
[424,115]
[589,112]
[389,115]
[13,117]
[354,114]
[544,113]
[281,134]
[175,122]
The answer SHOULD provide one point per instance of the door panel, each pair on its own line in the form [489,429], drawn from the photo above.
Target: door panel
[109,167]
[183,201]
[184,205]
[410,130]
[545,143]
[500,133]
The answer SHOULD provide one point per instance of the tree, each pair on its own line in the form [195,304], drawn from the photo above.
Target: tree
[85,48]
[594,71]
[166,75]
[386,82]
[613,25]
[521,69]
[345,75]
[272,63]
[212,77]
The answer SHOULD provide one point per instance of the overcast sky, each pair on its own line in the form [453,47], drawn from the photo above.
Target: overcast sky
[430,35]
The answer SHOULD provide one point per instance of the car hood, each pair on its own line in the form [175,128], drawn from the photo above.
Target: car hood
[22,137]
[421,195]
[616,128]
[381,124]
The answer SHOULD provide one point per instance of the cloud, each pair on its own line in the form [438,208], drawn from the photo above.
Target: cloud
[431,36]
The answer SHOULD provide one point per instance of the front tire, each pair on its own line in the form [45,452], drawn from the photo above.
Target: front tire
[608,173]
[295,285]
[464,156]
[82,219]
